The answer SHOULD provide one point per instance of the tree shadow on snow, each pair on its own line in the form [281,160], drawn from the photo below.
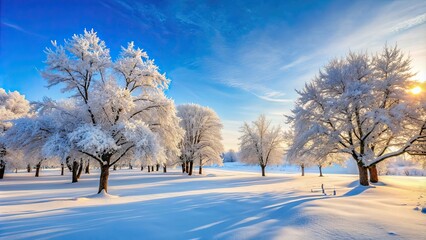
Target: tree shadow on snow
[203,216]
[218,213]
[357,190]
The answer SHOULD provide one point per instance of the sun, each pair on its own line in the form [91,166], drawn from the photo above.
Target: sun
[416,90]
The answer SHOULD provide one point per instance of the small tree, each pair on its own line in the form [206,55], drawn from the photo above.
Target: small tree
[320,155]
[230,156]
[302,162]
[202,142]
[208,156]
[261,143]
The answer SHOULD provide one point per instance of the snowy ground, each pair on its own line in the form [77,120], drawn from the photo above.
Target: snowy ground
[224,203]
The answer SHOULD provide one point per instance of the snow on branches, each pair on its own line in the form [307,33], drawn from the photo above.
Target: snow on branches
[359,106]
[12,106]
[92,140]
[118,109]
[202,142]
[261,143]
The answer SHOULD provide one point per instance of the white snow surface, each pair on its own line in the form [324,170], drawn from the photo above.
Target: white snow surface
[223,203]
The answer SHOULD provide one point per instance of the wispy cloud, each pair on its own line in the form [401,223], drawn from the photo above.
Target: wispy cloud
[270,61]
[410,23]
[278,100]
[298,61]
[259,91]
[20,29]
[399,22]
[265,68]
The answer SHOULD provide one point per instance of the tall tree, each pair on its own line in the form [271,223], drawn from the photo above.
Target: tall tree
[261,143]
[115,110]
[359,106]
[202,142]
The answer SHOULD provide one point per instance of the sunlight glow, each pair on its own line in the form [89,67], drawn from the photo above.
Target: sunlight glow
[416,90]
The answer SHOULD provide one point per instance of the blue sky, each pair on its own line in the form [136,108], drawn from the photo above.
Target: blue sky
[241,58]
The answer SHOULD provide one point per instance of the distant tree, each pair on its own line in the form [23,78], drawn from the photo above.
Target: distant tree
[261,143]
[320,155]
[13,105]
[359,106]
[302,162]
[202,142]
[117,111]
[293,157]
[15,159]
[230,156]
[328,160]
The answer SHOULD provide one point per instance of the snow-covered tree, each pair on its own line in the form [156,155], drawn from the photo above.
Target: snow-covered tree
[261,143]
[117,110]
[302,162]
[328,160]
[13,105]
[294,158]
[230,156]
[44,136]
[202,142]
[320,155]
[417,150]
[15,159]
[359,106]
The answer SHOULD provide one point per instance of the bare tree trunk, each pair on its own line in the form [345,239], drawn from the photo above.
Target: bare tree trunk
[200,170]
[69,165]
[37,174]
[363,175]
[87,171]
[62,169]
[152,168]
[141,168]
[320,170]
[183,167]
[103,181]
[2,170]
[28,168]
[80,169]
[16,170]
[374,176]
[164,168]
[187,167]
[149,168]
[74,171]
[303,169]
[158,167]
[130,166]
[191,166]
[114,168]
[263,170]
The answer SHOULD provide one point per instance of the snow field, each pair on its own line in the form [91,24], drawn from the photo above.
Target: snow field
[221,204]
